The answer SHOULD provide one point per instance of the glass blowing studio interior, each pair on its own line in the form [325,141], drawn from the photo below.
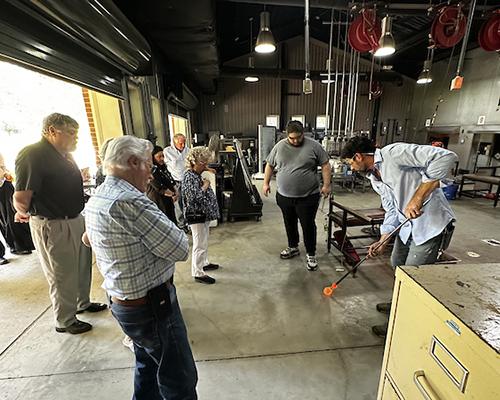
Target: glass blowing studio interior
[416,82]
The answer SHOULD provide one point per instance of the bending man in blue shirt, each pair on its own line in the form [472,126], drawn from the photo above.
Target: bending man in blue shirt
[405,176]
[136,247]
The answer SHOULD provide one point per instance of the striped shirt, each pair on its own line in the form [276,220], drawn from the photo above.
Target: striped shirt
[403,167]
[135,244]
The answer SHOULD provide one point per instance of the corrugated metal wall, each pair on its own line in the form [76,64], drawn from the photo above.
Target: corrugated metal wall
[395,109]
[238,107]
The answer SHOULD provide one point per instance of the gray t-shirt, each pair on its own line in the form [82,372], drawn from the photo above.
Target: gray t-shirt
[296,167]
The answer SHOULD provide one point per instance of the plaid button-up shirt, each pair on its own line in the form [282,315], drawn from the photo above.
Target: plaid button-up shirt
[135,244]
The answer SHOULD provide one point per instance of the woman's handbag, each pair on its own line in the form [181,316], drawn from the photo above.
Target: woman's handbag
[196,217]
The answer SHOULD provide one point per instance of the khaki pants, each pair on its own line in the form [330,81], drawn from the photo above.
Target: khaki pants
[66,263]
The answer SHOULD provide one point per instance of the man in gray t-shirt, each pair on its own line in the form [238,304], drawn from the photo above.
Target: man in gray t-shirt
[296,160]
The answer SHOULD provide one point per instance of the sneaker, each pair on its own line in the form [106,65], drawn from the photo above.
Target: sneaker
[380,330]
[210,267]
[289,252]
[3,261]
[384,308]
[312,263]
[208,280]
[76,328]
[127,342]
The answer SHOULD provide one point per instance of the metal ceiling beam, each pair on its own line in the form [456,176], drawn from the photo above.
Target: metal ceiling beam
[393,8]
[297,74]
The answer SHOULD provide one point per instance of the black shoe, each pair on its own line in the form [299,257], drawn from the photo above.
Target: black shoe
[3,261]
[205,279]
[94,307]
[21,252]
[210,267]
[380,330]
[76,328]
[384,308]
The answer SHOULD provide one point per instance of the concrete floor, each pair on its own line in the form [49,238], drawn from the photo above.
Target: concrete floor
[263,331]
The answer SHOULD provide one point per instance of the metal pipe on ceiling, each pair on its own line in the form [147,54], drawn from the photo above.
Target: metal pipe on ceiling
[343,76]
[391,8]
[329,71]
[349,92]
[336,77]
[307,79]
[461,58]
[298,74]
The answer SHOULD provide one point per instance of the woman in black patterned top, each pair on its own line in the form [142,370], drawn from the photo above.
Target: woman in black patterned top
[161,189]
[200,207]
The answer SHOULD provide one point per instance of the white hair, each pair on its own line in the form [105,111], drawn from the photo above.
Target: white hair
[121,149]
[197,154]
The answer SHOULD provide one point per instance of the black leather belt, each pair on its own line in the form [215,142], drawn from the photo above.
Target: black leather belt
[130,303]
[54,218]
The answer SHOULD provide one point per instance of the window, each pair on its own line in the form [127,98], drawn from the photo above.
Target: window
[177,125]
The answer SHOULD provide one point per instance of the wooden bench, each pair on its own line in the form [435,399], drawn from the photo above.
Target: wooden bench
[492,180]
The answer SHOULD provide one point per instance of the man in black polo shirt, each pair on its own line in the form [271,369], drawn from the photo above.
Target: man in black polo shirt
[49,194]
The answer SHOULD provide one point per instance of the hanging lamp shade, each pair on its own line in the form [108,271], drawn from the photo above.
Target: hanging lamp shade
[425,76]
[387,44]
[251,78]
[265,40]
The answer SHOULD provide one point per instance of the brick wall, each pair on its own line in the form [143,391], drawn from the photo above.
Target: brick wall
[90,118]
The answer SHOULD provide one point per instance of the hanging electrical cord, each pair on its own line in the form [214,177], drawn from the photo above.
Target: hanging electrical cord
[329,71]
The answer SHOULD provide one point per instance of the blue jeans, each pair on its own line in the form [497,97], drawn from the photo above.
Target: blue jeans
[164,364]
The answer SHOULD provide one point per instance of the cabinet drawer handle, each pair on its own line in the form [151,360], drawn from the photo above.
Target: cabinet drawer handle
[420,375]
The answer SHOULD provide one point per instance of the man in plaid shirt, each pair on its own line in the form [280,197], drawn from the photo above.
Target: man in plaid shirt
[136,248]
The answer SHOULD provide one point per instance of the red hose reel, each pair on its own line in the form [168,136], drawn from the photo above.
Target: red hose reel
[489,35]
[448,27]
[365,31]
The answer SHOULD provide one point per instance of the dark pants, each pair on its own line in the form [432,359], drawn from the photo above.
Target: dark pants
[422,254]
[181,220]
[164,364]
[301,209]
[17,235]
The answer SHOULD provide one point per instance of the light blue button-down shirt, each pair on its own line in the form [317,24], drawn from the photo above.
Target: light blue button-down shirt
[403,167]
[135,244]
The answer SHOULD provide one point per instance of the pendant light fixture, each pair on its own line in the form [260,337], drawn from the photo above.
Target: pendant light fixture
[425,76]
[251,65]
[387,45]
[265,40]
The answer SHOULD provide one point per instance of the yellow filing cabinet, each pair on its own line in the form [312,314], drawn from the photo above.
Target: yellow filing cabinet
[443,339]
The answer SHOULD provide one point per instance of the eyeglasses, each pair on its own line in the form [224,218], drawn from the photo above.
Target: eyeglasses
[69,132]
